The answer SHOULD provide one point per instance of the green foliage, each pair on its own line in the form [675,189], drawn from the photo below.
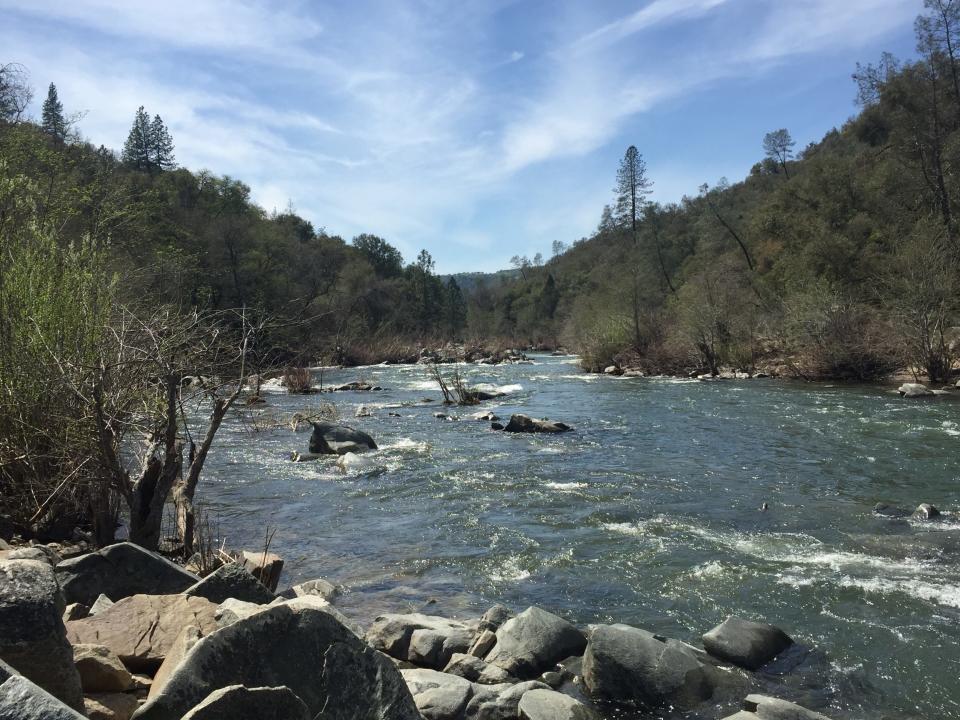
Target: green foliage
[53,123]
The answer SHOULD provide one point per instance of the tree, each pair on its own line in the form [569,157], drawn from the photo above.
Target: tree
[15,92]
[778,145]
[384,258]
[632,190]
[940,30]
[161,146]
[558,247]
[53,122]
[521,263]
[456,309]
[136,150]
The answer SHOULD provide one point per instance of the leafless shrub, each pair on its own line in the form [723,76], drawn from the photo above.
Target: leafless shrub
[298,380]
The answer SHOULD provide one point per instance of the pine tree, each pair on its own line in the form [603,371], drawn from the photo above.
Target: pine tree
[53,122]
[633,187]
[161,146]
[456,309]
[136,150]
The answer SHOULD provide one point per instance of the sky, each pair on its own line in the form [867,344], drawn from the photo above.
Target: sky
[477,129]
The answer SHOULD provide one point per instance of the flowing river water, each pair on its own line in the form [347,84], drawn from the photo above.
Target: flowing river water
[647,514]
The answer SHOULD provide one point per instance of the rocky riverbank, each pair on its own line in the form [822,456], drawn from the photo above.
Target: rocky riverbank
[124,633]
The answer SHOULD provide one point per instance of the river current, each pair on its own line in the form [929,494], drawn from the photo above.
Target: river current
[649,513]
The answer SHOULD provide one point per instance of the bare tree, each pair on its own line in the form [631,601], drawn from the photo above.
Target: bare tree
[15,92]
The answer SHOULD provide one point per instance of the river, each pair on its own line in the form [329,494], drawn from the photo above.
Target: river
[648,514]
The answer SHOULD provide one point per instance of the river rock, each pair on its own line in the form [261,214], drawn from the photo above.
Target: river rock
[141,629]
[21,699]
[533,642]
[627,664]
[355,386]
[889,511]
[914,390]
[525,424]
[323,588]
[496,616]
[332,671]
[99,605]
[36,552]
[552,705]
[440,696]
[110,706]
[32,637]
[119,571]
[75,611]
[188,637]
[353,463]
[421,639]
[476,670]
[926,511]
[100,669]
[499,702]
[483,644]
[232,580]
[762,707]
[329,439]
[235,702]
[264,566]
[747,644]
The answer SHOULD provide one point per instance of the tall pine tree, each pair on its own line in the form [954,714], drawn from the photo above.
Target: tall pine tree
[161,146]
[136,150]
[53,122]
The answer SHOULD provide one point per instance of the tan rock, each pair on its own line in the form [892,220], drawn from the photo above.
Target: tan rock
[187,638]
[141,629]
[110,706]
[265,567]
[100,669]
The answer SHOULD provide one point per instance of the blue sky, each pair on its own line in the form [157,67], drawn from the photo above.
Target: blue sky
[478,130]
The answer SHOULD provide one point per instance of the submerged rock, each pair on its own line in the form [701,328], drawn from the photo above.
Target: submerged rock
[329,439]
[926,511]
[119,571]
[525,424]
[914,390]
[747,644]
[763,707]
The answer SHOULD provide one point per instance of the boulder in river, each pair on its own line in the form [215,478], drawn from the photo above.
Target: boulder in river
[747,644]
[232,580]
[534,641]
[915,390]
[926,511]
[32,637]
[627,664]
[890,511]
[264,566]
[119,571]
[542,704]
[330,669]
[422,639]
[330,439]
[525,424]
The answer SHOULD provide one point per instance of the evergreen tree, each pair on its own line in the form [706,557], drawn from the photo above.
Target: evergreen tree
[161,146]
[136,150]
[456,309]
[633,187]
[53,122]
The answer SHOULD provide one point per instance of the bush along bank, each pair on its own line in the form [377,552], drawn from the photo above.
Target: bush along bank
[123,633]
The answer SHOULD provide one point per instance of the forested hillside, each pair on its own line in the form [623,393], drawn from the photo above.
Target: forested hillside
[836,260]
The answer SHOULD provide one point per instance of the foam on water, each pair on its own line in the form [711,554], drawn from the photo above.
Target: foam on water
[566,487]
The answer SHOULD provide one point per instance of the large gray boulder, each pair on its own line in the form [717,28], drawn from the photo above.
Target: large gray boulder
[32,635]
[336,675]
[421,639]
[329,439]
[749,645]
[476,670]
[525,424]
[236,702]
[763,707]
[552,705]
[440,696]
[534,641]
[119,571]
[232,580]
[21,699]
[627,664]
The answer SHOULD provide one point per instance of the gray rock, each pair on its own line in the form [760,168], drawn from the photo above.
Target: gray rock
[914,390]
[101,604]
[329,439]
[552,678]
[551,705]
[304,649]
[35,552]
[100,669]
[188,637]
[421,639]
[32,635]
[21,699]
[438,696]
[75,611]
[499,702]
[264,566]
[762,707]
[476,670]
[236,702]
[119,571]
[889,511]
[483,644]
[534,641]
[232,580]
[324,588]
[926,511]
[525,424]
[495,617]
[627,664]
[746,644]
